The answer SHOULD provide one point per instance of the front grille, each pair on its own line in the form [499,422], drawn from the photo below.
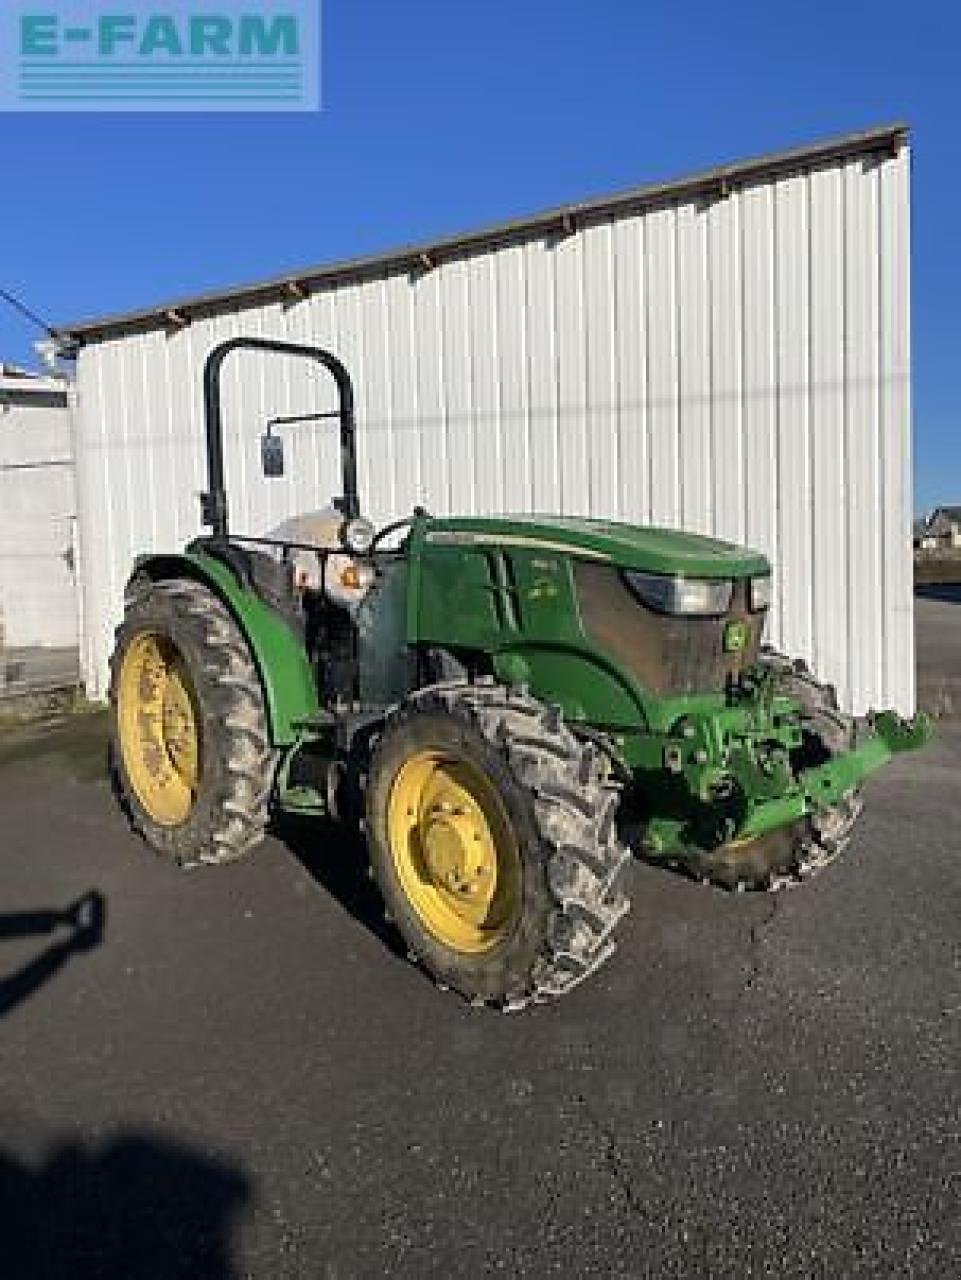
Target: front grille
[668,655]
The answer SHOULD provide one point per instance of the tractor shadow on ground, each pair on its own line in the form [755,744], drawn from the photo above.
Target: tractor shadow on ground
[138,1207]
[334,855]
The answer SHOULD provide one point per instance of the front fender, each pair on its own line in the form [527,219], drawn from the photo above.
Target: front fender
[290,691]
[586,687]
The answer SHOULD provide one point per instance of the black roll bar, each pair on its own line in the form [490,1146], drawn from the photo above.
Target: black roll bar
[213,503]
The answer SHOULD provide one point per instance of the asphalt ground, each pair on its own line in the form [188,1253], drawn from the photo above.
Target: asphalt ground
[234,1073]
[937,608]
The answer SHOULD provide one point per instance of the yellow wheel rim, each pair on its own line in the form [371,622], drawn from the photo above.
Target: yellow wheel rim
[454,851]
[158,728]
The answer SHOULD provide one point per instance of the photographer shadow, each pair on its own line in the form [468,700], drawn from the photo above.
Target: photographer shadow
[84,921]
[138,1206]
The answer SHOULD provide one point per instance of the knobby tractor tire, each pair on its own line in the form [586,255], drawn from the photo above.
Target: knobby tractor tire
[228,811]
[794,854]
[560,799]
[828,732]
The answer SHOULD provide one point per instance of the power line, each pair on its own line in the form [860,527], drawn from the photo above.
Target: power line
[26,312]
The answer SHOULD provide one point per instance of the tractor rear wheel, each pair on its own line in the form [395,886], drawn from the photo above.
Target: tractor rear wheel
[492,838]
[190,752]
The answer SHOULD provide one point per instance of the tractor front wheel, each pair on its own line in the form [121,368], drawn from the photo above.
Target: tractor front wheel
[190,753]
[492,838]
[792,854]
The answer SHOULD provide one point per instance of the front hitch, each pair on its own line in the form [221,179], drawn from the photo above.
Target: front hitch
[827,784]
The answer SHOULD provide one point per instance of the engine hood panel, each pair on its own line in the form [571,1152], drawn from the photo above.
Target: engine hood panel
[628,546]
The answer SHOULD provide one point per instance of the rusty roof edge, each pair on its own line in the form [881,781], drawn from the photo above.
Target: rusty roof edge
[561,219]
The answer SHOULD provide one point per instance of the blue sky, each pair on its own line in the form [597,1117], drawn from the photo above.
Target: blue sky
[442,116]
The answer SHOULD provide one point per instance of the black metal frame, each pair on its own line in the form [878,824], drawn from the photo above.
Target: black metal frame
[214,502]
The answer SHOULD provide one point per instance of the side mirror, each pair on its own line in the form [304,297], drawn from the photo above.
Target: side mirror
[272,455]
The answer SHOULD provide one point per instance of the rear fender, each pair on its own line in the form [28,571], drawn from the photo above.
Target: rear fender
[290,691]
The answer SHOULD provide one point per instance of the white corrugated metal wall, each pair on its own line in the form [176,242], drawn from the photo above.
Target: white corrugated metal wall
[737,365]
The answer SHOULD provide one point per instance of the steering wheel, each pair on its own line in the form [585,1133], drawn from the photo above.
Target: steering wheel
[417,514]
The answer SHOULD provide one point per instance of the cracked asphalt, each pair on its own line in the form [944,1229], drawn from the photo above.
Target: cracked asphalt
[237,1075]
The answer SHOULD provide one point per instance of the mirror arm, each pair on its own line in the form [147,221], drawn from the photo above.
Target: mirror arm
[275,467]
[301,417]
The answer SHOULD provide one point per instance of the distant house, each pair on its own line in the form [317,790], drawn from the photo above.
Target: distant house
[923,541]
[944,527]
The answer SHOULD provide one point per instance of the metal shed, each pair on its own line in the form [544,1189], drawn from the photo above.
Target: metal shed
[729,352]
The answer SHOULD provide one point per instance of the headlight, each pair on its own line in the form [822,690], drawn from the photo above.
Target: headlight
[696,597]
[357,536]
[760,593]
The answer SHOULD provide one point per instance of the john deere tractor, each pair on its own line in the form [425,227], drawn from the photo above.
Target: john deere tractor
[510,708]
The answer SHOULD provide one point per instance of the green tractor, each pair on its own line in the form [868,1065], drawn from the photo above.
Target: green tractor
[510,708]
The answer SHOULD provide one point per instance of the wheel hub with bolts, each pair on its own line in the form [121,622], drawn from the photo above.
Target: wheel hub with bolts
[458,848]
[179,726]
[453,852]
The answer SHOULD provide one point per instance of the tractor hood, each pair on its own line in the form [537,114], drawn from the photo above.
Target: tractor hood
[627,545]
